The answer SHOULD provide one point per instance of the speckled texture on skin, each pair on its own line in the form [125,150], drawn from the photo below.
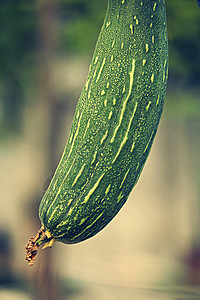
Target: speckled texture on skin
[115,122]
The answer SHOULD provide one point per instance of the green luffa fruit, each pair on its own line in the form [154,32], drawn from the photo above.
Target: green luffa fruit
[114,125]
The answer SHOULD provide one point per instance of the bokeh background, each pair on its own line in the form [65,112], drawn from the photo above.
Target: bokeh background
[151,250]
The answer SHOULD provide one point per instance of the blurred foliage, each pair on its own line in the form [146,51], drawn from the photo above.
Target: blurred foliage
[18,25]
[78,23]
[17,45]
[184,42]
[183,106]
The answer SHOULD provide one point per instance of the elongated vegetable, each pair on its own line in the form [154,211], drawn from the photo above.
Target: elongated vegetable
[115,123]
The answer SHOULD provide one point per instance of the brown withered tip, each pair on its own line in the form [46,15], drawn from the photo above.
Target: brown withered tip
[33,245]
[31,251]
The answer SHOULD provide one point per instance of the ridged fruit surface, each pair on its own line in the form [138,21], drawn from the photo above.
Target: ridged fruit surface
[115,122]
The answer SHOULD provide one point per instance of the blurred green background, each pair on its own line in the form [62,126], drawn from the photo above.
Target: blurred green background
[45,50]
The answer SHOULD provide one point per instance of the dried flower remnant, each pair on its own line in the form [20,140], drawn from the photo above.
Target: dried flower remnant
[42,237]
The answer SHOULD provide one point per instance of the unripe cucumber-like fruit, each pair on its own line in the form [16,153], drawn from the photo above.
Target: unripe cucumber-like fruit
[115,123]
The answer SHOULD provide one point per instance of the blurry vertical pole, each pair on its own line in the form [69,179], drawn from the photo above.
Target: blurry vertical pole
[47,47]
[46,285]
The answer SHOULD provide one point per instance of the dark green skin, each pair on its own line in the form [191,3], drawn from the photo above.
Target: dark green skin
[106,170]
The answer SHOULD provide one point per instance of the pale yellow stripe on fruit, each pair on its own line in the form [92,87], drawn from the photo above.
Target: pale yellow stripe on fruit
[101,68]
[55,183]
[131,28]
[148,105]
[69,202]
[65,221]
[110,115]
[108,189]
[113,43]
[96,59]
[167,73]
[164,76]
[148,142]
[133,145]
[89,94]
[107,24]
[93,189]
[78,113]
[82,221]
[164,73]
[78,175]
[75,135]
[158,100]
[144,62]
[89,68]
[124,178]
[94,157]
[125,101]
[137,167]
[86,85]
[61,235]
[94,73]
[99,216]
[51,216]
[62,223]
[59,190]
[70,211]
[120,197]
[165,63]
[104,137]
[70,139]
[126,135]
[87,126]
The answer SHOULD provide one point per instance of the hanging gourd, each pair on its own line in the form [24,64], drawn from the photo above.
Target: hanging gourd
[114,125]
